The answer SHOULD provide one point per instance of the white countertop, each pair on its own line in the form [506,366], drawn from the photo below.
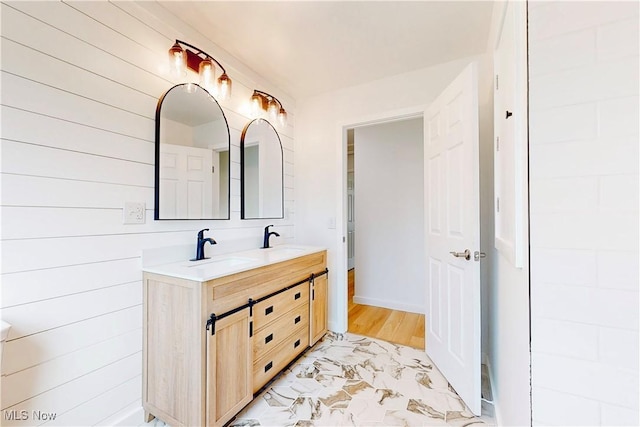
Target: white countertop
[225,265]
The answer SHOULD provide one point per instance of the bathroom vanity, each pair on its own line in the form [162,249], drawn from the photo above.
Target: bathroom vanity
[217,330]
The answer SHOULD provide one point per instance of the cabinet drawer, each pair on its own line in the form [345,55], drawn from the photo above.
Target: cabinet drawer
[272,308]
[273,362]
[274,333]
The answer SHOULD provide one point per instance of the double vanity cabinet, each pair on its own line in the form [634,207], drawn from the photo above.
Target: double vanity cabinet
[216,331]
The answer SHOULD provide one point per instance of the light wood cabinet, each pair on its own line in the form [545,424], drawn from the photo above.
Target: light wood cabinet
[318,308]
[229,370]
[210,345]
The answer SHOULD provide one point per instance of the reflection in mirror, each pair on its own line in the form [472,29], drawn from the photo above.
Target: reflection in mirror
[262,174]
[192,156]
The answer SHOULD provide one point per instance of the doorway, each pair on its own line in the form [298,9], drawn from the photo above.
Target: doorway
[385,223]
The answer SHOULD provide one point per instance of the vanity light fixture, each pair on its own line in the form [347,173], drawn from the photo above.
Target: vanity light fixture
[201,62]
[269,103]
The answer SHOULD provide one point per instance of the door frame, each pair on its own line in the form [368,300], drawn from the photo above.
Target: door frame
[341,324]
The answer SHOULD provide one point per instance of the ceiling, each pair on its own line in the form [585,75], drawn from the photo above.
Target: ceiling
[310,47]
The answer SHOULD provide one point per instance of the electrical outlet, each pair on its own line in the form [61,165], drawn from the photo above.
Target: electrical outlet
[133,213]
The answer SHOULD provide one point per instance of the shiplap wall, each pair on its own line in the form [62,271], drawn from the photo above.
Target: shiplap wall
[80,84]
[583,148]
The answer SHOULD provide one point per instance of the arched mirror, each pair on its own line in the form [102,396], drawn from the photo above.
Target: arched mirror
[261,172]
[192,156]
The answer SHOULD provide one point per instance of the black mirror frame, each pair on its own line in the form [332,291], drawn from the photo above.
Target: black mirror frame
[156,208]
[242,180]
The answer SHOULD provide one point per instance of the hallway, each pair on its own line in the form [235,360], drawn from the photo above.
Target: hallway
[395,326]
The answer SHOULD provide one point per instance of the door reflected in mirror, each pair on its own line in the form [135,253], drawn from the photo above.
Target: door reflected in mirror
[262,173]
[192,156]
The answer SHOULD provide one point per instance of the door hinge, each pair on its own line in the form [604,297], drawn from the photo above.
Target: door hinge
[497,143]
[212,323]
[498,204]
[213,169]
[497,83]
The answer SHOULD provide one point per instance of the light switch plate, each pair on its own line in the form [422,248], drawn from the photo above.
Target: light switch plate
[331,223]
[133,213]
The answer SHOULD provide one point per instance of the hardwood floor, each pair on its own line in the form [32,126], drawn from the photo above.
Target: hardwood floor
[390,325]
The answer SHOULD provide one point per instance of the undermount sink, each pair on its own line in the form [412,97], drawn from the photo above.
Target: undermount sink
[219,262]
[285,251]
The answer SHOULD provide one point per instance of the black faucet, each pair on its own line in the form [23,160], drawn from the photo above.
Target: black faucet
[267,234]
[200,245]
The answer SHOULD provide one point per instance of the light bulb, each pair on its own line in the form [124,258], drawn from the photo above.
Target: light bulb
[206,71]
[255,105]
[177,61]
[282,118]
[224,87]
[272,110]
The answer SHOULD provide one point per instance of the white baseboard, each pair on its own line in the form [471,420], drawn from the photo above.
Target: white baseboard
[129,417]
[393,305]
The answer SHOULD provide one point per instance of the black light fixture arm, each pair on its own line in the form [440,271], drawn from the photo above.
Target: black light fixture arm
[198,52]
[268,96]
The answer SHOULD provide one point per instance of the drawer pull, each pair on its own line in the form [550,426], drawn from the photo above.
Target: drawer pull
[268,366]
[297,343]
[268,338]
[297,320]
[297,296]
[268,310]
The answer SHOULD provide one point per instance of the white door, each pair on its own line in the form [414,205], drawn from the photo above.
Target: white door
[351,222]
[452,226]
[187,179]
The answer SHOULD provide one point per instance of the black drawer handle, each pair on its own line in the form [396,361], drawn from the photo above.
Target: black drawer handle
[268,310]
[297,320]
[297,343]
[268,338]
[297,295]
[268,366]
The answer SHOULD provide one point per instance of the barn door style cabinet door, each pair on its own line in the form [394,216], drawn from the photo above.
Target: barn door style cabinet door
[228,367]
[318,313]
[209,345]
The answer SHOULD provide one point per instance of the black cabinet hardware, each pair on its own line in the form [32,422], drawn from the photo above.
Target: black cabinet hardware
[297,343]
[268,338]
[268,310]
[297,320]
[211,323]
[268,366]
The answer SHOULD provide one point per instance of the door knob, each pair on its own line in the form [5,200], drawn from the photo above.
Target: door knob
[466,254]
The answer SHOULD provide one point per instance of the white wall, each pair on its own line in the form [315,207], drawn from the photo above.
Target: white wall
[319,178]
[80,84]
[507,301]
[584,212]
[389,214]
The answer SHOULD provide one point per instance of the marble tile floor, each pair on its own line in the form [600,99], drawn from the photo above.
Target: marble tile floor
[351,380]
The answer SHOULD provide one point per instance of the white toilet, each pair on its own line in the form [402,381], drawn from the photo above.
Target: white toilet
[4,331]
